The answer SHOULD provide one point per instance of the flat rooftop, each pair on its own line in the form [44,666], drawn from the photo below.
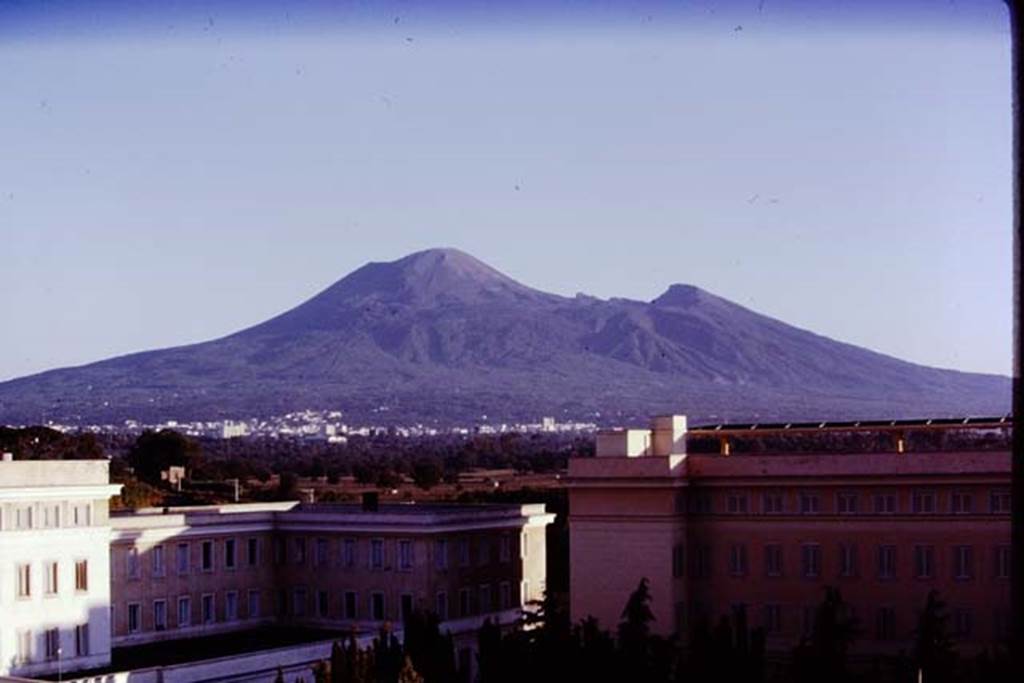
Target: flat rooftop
[187,650]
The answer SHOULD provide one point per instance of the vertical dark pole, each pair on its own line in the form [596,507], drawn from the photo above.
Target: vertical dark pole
[1017,486]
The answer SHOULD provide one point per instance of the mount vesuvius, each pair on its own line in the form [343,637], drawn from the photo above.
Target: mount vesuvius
[439,335]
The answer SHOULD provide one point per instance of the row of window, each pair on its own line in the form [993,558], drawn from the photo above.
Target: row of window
[963,561]
[46,516]
[25,584]
[470,602]
[923,501]
[778,619]
[300,552]
[379,557]
[27,649]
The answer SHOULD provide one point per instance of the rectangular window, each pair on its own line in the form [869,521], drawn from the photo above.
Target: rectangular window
[209,616]
[323,605]
[486,604]
[679,616]
[810,560]
[772,503]
[483,552]
[524,592]
[132,563]
[52,642]
[351,605]
[348,552]
[207,556]
[299,602]
[52,571]
[999,502]
[678,560]
[159,615]
[184,612]
[961,503]
[885,623]
[504,595]
[231,606]
[377,605]
[736,503]
[134,617]
[320,556]
[82,640]
[299,551]
[847,560]
[254,604]
[23,518]
[24,653]
[886,561]
[773,559]
[738,560]
[81,514]
[376,553]
[181,558]
[157,560]
[441,605]
[1002,561]
[24,577]
[406,606]
[82,576]
[252,554]
[51,516]
[807,618]
[922,502]
[963,623]
[809,503]
[505,549]
[963,562]
[229,553]
[846,503]
[464,603]
[924,561]
[441,553]
[279,550]
[772,619]
[463,550]
[702,561]
[405,559]
[885,504]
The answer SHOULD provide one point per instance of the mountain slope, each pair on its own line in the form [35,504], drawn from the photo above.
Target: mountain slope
[441,335]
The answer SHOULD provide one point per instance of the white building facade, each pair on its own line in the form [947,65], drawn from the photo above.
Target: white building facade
[54,565]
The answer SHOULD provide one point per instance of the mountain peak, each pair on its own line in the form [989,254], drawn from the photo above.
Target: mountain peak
[681,296]
[431,277]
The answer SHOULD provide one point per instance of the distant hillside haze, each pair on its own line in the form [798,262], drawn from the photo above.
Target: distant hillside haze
[441,336]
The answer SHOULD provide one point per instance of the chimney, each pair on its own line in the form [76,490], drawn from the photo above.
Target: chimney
[669,433]
[8,456]
[371,501]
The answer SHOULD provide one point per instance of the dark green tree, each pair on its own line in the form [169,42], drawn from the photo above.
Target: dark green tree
[823,656]
[154,452]
[427,473]
[933,652]
[634,634]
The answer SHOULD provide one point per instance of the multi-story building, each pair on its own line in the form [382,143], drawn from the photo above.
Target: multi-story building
[76,581]
[767,532]
[54,565]
[186,572]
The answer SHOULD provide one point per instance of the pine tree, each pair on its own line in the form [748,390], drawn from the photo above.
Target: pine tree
[823,656]
[934,654]
[635,633]
[279,678]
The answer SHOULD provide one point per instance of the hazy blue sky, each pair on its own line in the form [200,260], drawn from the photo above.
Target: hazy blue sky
[172,172]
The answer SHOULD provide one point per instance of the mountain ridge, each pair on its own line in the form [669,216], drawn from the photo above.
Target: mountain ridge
[439,335]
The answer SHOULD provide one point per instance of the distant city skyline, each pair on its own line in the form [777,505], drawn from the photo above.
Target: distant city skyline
[181,174]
